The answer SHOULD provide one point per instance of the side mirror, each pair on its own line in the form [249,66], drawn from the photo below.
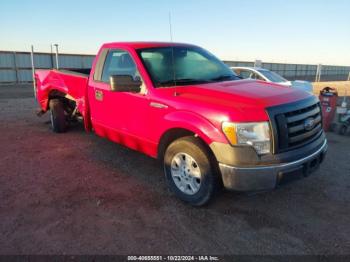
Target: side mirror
[124,83]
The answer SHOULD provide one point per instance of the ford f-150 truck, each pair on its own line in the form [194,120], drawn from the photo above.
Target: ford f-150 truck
[180,104]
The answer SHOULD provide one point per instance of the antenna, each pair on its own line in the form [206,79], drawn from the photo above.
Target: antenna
[172,53]
[170,28]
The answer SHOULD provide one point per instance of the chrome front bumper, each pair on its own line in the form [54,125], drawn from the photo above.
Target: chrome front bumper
[268,177]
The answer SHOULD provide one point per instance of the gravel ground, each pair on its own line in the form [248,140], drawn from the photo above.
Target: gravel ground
[76,193]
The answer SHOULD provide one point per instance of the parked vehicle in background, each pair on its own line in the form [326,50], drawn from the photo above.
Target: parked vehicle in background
[270,76]
[182,105]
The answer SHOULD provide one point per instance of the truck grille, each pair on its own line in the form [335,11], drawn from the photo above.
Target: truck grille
[296,124]
[303,124]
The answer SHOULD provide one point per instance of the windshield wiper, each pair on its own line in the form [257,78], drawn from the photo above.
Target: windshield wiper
[183,81]
[225,78]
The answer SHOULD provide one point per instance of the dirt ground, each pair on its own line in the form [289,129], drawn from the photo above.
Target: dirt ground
[76,193]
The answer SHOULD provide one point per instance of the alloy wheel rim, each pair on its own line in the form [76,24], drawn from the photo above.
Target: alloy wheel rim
[186,173]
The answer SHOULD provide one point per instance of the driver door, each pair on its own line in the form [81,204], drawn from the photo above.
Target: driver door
[119,116]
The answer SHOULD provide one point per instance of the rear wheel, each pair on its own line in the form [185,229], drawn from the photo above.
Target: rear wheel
[189,171]
[57,116]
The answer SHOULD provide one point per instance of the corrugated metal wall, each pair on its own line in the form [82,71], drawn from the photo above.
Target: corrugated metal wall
[301,71]
[15,67]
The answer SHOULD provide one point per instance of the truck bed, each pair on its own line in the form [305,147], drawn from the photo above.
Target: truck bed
[73,83]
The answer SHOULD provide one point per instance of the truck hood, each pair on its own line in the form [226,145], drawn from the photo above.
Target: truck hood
[243,93]
[248,97]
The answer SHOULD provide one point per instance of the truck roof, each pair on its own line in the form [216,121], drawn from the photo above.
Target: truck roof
[138,45]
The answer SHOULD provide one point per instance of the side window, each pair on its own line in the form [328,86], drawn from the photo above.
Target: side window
[119,62]
[245,73]
[256,76]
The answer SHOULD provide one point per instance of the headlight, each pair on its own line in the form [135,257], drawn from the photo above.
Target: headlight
[255,134]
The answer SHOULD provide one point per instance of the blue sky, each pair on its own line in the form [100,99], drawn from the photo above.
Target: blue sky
[298,31]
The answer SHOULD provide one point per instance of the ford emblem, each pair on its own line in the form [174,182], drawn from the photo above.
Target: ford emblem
[309,124]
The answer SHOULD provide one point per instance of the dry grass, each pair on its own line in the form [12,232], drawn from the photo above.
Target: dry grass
[343,87]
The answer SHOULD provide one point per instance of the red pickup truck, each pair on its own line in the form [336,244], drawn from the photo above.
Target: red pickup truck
[182,105]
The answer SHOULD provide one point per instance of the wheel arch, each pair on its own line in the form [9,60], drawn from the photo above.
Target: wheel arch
[57,94]
[68,100]
[184,123]
[176,133]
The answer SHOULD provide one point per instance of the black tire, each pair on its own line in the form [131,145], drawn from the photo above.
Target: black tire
[209,181]
[57,116]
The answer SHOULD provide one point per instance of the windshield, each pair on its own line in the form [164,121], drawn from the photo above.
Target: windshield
[272,76]
[184,65]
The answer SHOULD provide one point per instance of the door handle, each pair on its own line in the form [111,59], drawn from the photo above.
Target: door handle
[158,105]
[99,95]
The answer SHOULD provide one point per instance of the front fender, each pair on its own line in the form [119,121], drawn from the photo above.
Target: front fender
[196,124]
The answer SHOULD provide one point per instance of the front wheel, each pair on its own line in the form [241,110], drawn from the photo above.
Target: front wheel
[189,171]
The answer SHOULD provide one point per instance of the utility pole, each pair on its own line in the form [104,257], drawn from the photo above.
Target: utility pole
[16,67]
[257,63]
[57,66]
[51,57]
[318,73]
[33,69]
